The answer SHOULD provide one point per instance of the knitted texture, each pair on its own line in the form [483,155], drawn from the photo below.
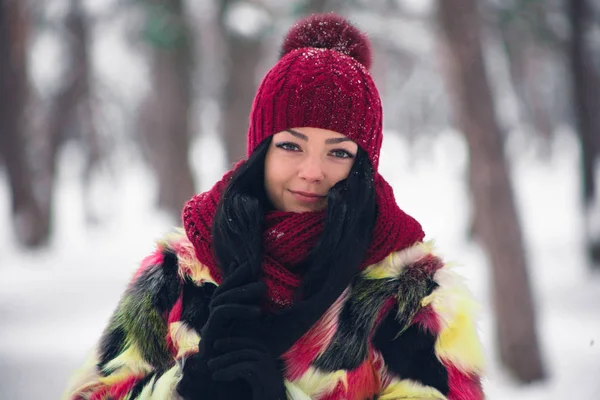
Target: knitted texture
[321,81]
[288,237]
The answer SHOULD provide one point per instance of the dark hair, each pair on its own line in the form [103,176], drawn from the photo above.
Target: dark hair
[239,219]
[351,209]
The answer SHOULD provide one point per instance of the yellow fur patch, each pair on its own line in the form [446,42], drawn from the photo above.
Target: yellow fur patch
[294,392]
[130,361]
[407,389]
[458,341]
[393,264]
[185,339]
[315,383]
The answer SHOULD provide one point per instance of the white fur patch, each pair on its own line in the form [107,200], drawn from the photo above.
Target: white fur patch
[164,387]
[185,339]
[452,296]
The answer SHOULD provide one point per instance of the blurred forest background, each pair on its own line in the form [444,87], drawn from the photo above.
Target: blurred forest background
[488,68]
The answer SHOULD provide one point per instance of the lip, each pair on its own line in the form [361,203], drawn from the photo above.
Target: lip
[307,197]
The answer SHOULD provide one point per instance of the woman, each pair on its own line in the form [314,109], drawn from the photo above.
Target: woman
[297,276]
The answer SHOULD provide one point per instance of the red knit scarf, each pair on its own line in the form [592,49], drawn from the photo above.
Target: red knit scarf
[288,237]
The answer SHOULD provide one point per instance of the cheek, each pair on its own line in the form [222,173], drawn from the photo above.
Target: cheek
[275,175]
[270,183]
[339,172]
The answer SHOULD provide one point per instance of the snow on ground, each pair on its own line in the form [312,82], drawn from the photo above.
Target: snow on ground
[55,303]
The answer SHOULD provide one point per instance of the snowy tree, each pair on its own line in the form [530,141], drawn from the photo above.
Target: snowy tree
[586,102]
[30,223]
[242,27]
[165,113]
[495,214]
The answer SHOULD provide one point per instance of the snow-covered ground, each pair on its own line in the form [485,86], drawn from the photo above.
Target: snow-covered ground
[55,303]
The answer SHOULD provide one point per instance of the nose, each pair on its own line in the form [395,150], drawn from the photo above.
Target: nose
[311,169]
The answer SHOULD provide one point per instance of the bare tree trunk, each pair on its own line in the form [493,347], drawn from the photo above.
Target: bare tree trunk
[70,114]
[241,60]
[164,123]
[586,101]
[494,206]
[27,215]
[82,119]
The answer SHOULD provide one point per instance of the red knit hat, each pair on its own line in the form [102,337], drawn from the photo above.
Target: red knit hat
[321,81]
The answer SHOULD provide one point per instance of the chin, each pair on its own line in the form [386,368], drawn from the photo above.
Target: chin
[302,208]
[298,207]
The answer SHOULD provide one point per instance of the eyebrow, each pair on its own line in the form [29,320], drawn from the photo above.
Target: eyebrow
[328,141]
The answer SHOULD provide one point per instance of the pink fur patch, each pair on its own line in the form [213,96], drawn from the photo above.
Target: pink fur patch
[429,264]
[100,394]
[306,349]
[184,250]
[153,259]
[174,316]
[175,313]
[300,356]
[120,390]
[428,320]
[363,382]
[463,386]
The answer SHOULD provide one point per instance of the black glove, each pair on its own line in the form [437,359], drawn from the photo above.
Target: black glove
[248,365]
[235,303]
[239,357]
[196,382]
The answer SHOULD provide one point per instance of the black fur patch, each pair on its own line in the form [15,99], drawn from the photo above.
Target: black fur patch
[432,285]
[414,285]
[160,282]
[163,283]
[349,346]
[195,303]
[410,355]
[137,389]
[111,345]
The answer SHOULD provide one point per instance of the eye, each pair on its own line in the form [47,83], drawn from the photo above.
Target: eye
[341,154]
[288,146]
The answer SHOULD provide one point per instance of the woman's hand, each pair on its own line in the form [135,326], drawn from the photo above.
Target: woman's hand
[235,340]
[235,303]
[247,362]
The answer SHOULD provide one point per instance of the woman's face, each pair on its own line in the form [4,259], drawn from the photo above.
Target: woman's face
[302,164]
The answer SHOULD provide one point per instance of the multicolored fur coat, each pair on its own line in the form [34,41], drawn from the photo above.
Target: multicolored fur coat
[402,330]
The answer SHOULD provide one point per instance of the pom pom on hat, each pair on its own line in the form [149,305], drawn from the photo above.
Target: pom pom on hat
[329,31]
